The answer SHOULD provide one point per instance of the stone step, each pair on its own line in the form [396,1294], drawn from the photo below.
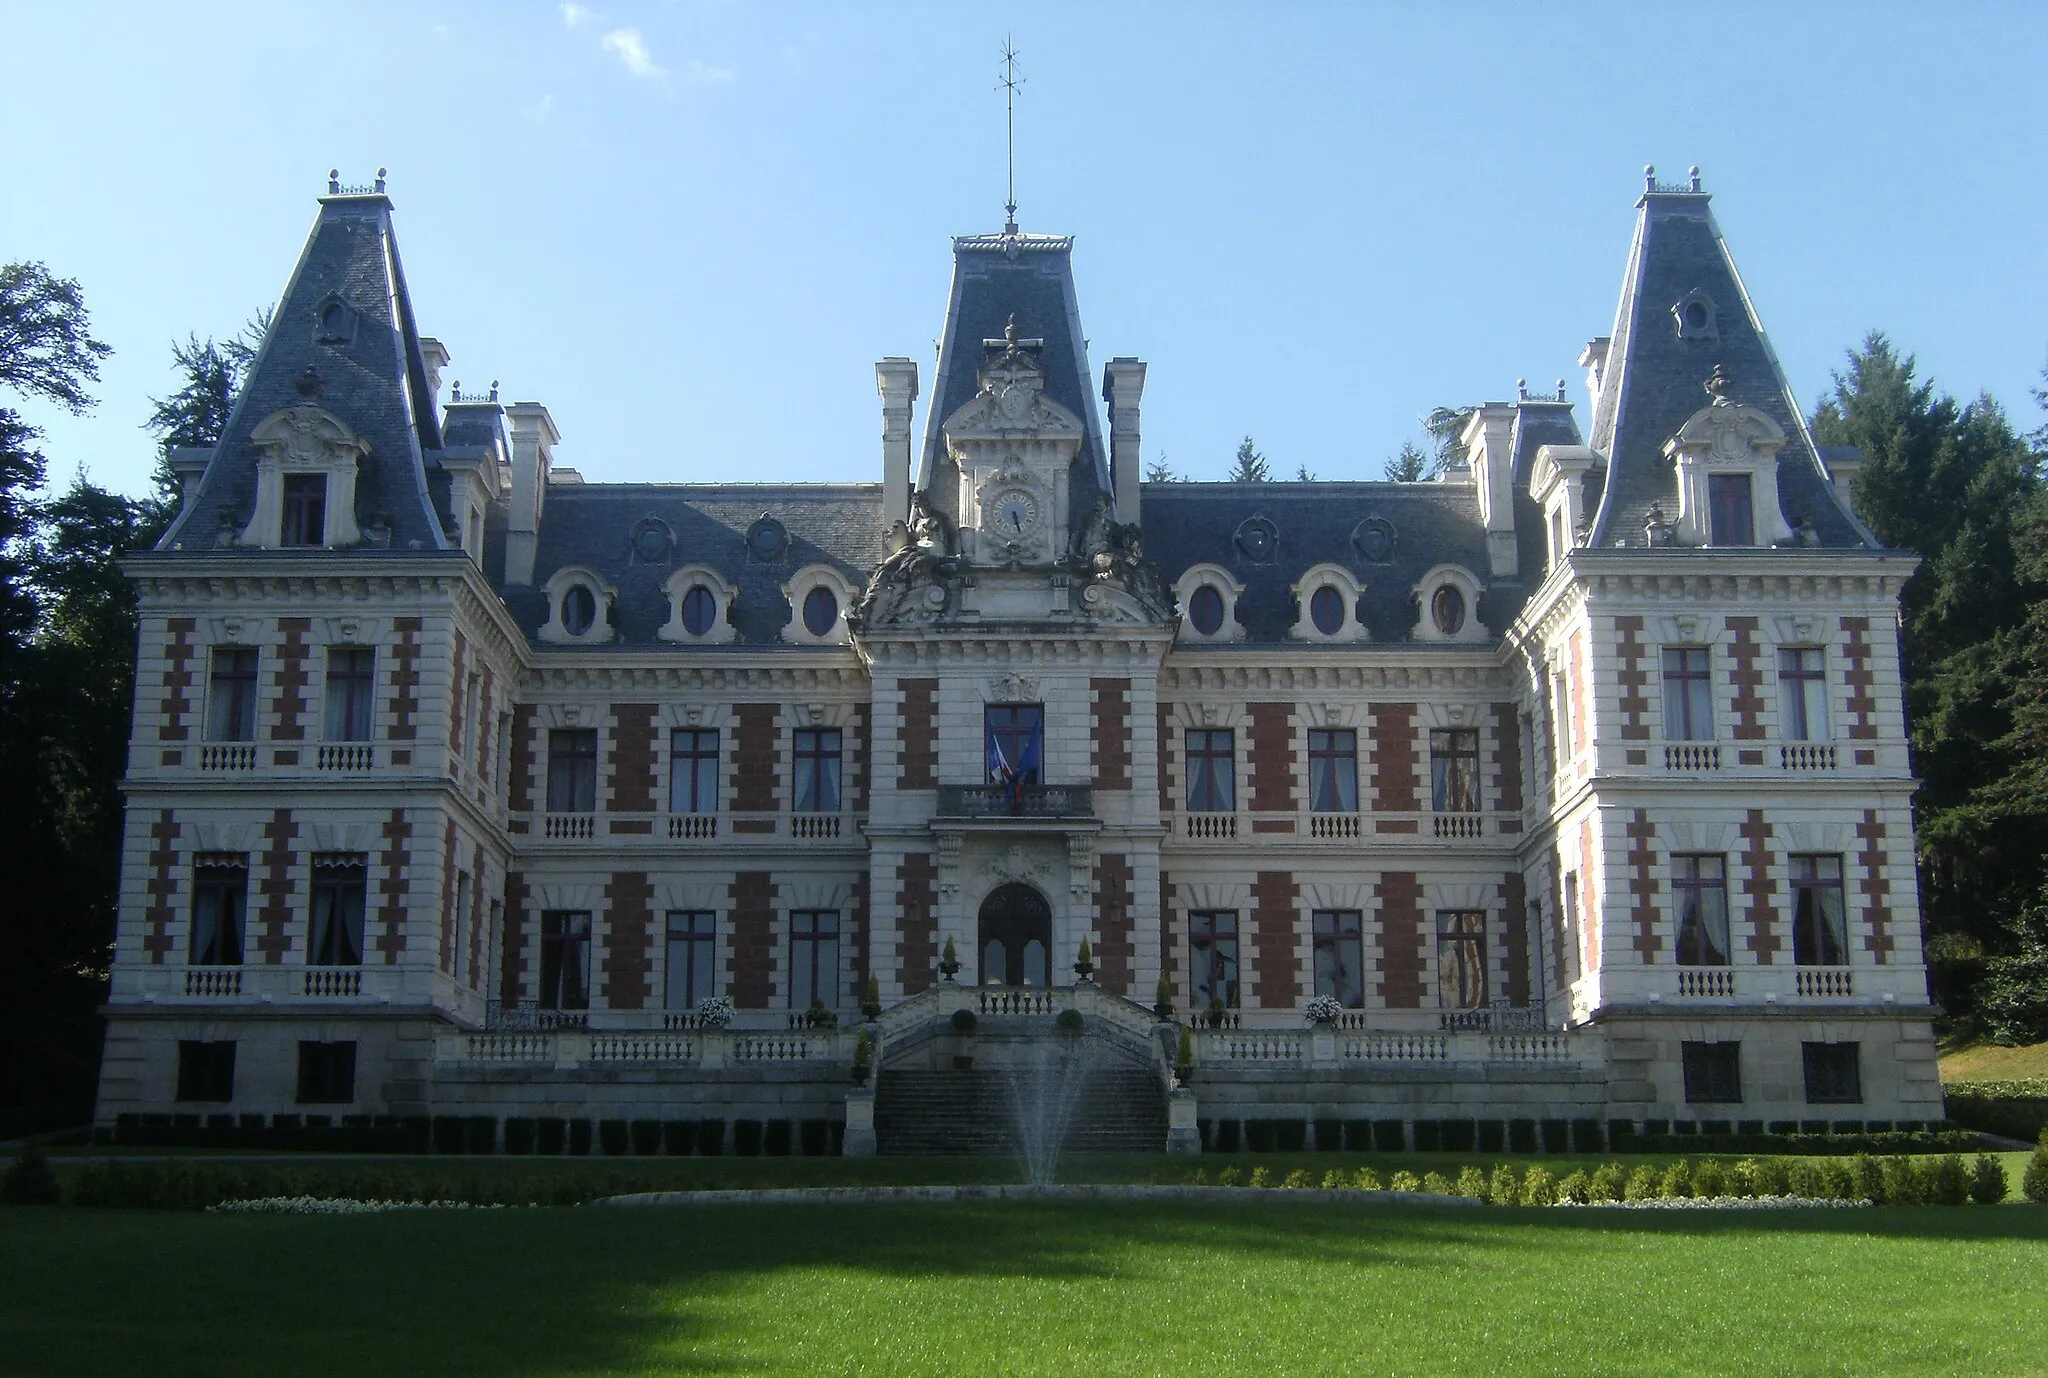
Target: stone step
[1119,1110]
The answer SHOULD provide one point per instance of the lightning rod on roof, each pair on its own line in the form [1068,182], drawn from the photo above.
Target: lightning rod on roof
[1009,83]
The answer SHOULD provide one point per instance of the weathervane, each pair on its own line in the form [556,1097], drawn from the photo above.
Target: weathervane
[1009,83]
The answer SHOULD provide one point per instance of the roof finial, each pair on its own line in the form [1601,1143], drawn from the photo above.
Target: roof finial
[1649,176]
[1010,331]
[1560,389]
[1010,82]
[494,389]
[1694,174]
[334,181]
[1717,384]
[380,181]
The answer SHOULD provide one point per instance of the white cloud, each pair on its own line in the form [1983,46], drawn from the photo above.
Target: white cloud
[574,16]
[631,49]
[698,73]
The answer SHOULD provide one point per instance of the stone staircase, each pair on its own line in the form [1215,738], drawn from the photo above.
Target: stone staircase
[1121,1109]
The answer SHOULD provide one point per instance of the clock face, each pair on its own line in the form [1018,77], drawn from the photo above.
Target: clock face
[1014,513]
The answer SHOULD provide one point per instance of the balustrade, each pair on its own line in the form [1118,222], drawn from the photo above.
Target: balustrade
[692,826]
[642,1048]
[1212,826]
[1335,827]
[333,981]
[1807,756]
[1706,982]
[812,826]
[1541,1047]
[1458,825]
[1824,982]
[1396,1047]
[570,827]
[1016,801]
[1691,757]
[774,1048]
[347,756]
[213,981]
[227,756]
[508,1046]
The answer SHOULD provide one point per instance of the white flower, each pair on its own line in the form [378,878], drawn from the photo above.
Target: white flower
[1323,1009]
[715,1010]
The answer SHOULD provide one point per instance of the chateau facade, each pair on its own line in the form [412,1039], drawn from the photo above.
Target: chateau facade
[1576,778]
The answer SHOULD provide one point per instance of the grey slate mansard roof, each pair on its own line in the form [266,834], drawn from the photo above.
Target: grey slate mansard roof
[590,526]
[1654,378]
[375,380]
[1186,524]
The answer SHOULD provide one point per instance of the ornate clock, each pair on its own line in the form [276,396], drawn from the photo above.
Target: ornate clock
[1013,514]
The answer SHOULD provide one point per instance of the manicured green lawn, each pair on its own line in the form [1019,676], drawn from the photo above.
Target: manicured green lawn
[1268,1286]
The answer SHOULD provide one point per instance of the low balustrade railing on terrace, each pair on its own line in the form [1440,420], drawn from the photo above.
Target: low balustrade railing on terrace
[346,756]
[1016,801]
[1328,1046]
[704,1048]
[227,756]
[1807,756]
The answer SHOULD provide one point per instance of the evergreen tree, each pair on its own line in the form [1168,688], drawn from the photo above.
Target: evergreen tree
[1250,466]
[1446,427]
[1302,475]
[1159,471]
[1410,465]
[196,413]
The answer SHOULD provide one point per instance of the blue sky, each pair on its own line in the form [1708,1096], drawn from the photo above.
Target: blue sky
[690,228]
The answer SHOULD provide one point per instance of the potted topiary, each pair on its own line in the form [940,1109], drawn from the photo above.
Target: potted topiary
[1162,999]
[862,1057]
[1070,1022]
[963,1022]
[871,1001]
[818,1017]
[949,963]
[1217,1013]
[1084,961]
[1184,1055]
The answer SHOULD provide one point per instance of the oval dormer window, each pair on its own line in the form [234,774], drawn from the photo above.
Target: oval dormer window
[700,610]
[821,610]
[579,610]
[1326,610]
[1447,610]
[1205,610]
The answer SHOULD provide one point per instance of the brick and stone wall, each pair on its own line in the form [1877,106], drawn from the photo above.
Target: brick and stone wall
[1109,734]
[1276,940]
[625,972]
[756,762]
[1275,765]
[278,888]
[917,931]
[917,734]
[632,767]
[1401,960]
[753,936]
[1115,934]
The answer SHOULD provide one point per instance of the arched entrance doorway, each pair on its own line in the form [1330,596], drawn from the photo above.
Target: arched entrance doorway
[1016,937]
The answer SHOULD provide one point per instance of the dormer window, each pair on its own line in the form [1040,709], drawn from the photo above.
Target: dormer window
[698,599]
[1731,509]
[1445,600]
[700,610]
[1447,610]
[1205,610]
[821,611]
[579,610]
[818,597]
[305,510]
[1326,611]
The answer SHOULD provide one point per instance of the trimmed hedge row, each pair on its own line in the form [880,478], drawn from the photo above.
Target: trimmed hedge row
[1799,1137]
[461,1134]
[2015,1109]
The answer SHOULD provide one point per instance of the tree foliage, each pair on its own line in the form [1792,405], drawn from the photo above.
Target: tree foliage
[1159,471]
[1956,484]
[1249,466]
[196,412]
[1409,465]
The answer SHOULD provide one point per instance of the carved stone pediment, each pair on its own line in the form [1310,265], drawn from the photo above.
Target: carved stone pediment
[305,439]
[308,437]
[1731,431]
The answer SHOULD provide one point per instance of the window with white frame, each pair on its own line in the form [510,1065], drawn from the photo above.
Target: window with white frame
[1803,688]
[231,695]
[1332,770]
[690,973]
[693,770]
[351,692]
[813,958]
[1820,930]
[340,886]
[1688,694]
[1461,959]
[1699,886]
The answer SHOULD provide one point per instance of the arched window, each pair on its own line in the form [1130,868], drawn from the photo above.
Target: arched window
[1447,609]
[1205,610]
[579,610]
[700,610]
[1326,610]
[821,610]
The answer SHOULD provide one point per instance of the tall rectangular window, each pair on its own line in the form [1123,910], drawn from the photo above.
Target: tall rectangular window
[1332,770]
[231,695]
[305,510]
[1699,884]
[338,892]
[1729,510]
[565,959]
[1461,959]
[1688,694]
[463,918]
[693,770]
[1212,770]
[351,687]
[813,958]
[1820,929]
[1454,769]
[1803,686]
[1014,742]
[220,898]
[206,1070]
[817,770]
[1834,1073]
[691,973]
[1713,1072]
[1340,956]
[327,1073]
[1212,954]
[1561,697]
[572,770]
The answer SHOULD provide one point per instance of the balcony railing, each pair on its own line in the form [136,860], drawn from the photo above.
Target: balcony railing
[1827,983]
[812,826]
[345,756]
[1212,826]
[213,982]
[1458,825]
[570,827]
[1706,983]
[1015,801]
[692,826]
[1333,827]
[1692,756]
[345,982]
[227,756]
[1807,756]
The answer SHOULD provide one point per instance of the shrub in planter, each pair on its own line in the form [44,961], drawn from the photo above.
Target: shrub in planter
[552,1134]
[1987,1180]
[1472,1183]
[1298,1180]
[1505,1186]
[2034,1186]
[818,1017]
[483,1134]
[1677,1181]
[814,1137]
[1587,1137]
[1329,1135]
[1436,1184]
[646,1137]
[1539,1188]
[1405,1181]
[1336,1179]
[1230,1177]
[1426,1136]
[715,1011]
[1262,1177]
[871,999]
[1642,1185]
[1609,1181]
[1710,1181]
[1493,1136]
[863,1059]
[29,1181]
[1162,999]
[1358,1136]
[1365,1179]
[1184,1054]
[1457,1136]
[963,1021]
[519,1135]
[1229,1136]
[613,1136]
[1575,1187]
[1070,1022]
[1259,1136]
[1290,1136]
[451,1134]
[1389,1136]
[678,1137]
[1951,1184]
[1557,1136]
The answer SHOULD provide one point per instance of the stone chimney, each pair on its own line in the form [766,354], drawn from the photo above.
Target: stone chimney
[1593,359]
[1123,383]
[896,381]
[435,356]
[1489,441]
[534,438]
